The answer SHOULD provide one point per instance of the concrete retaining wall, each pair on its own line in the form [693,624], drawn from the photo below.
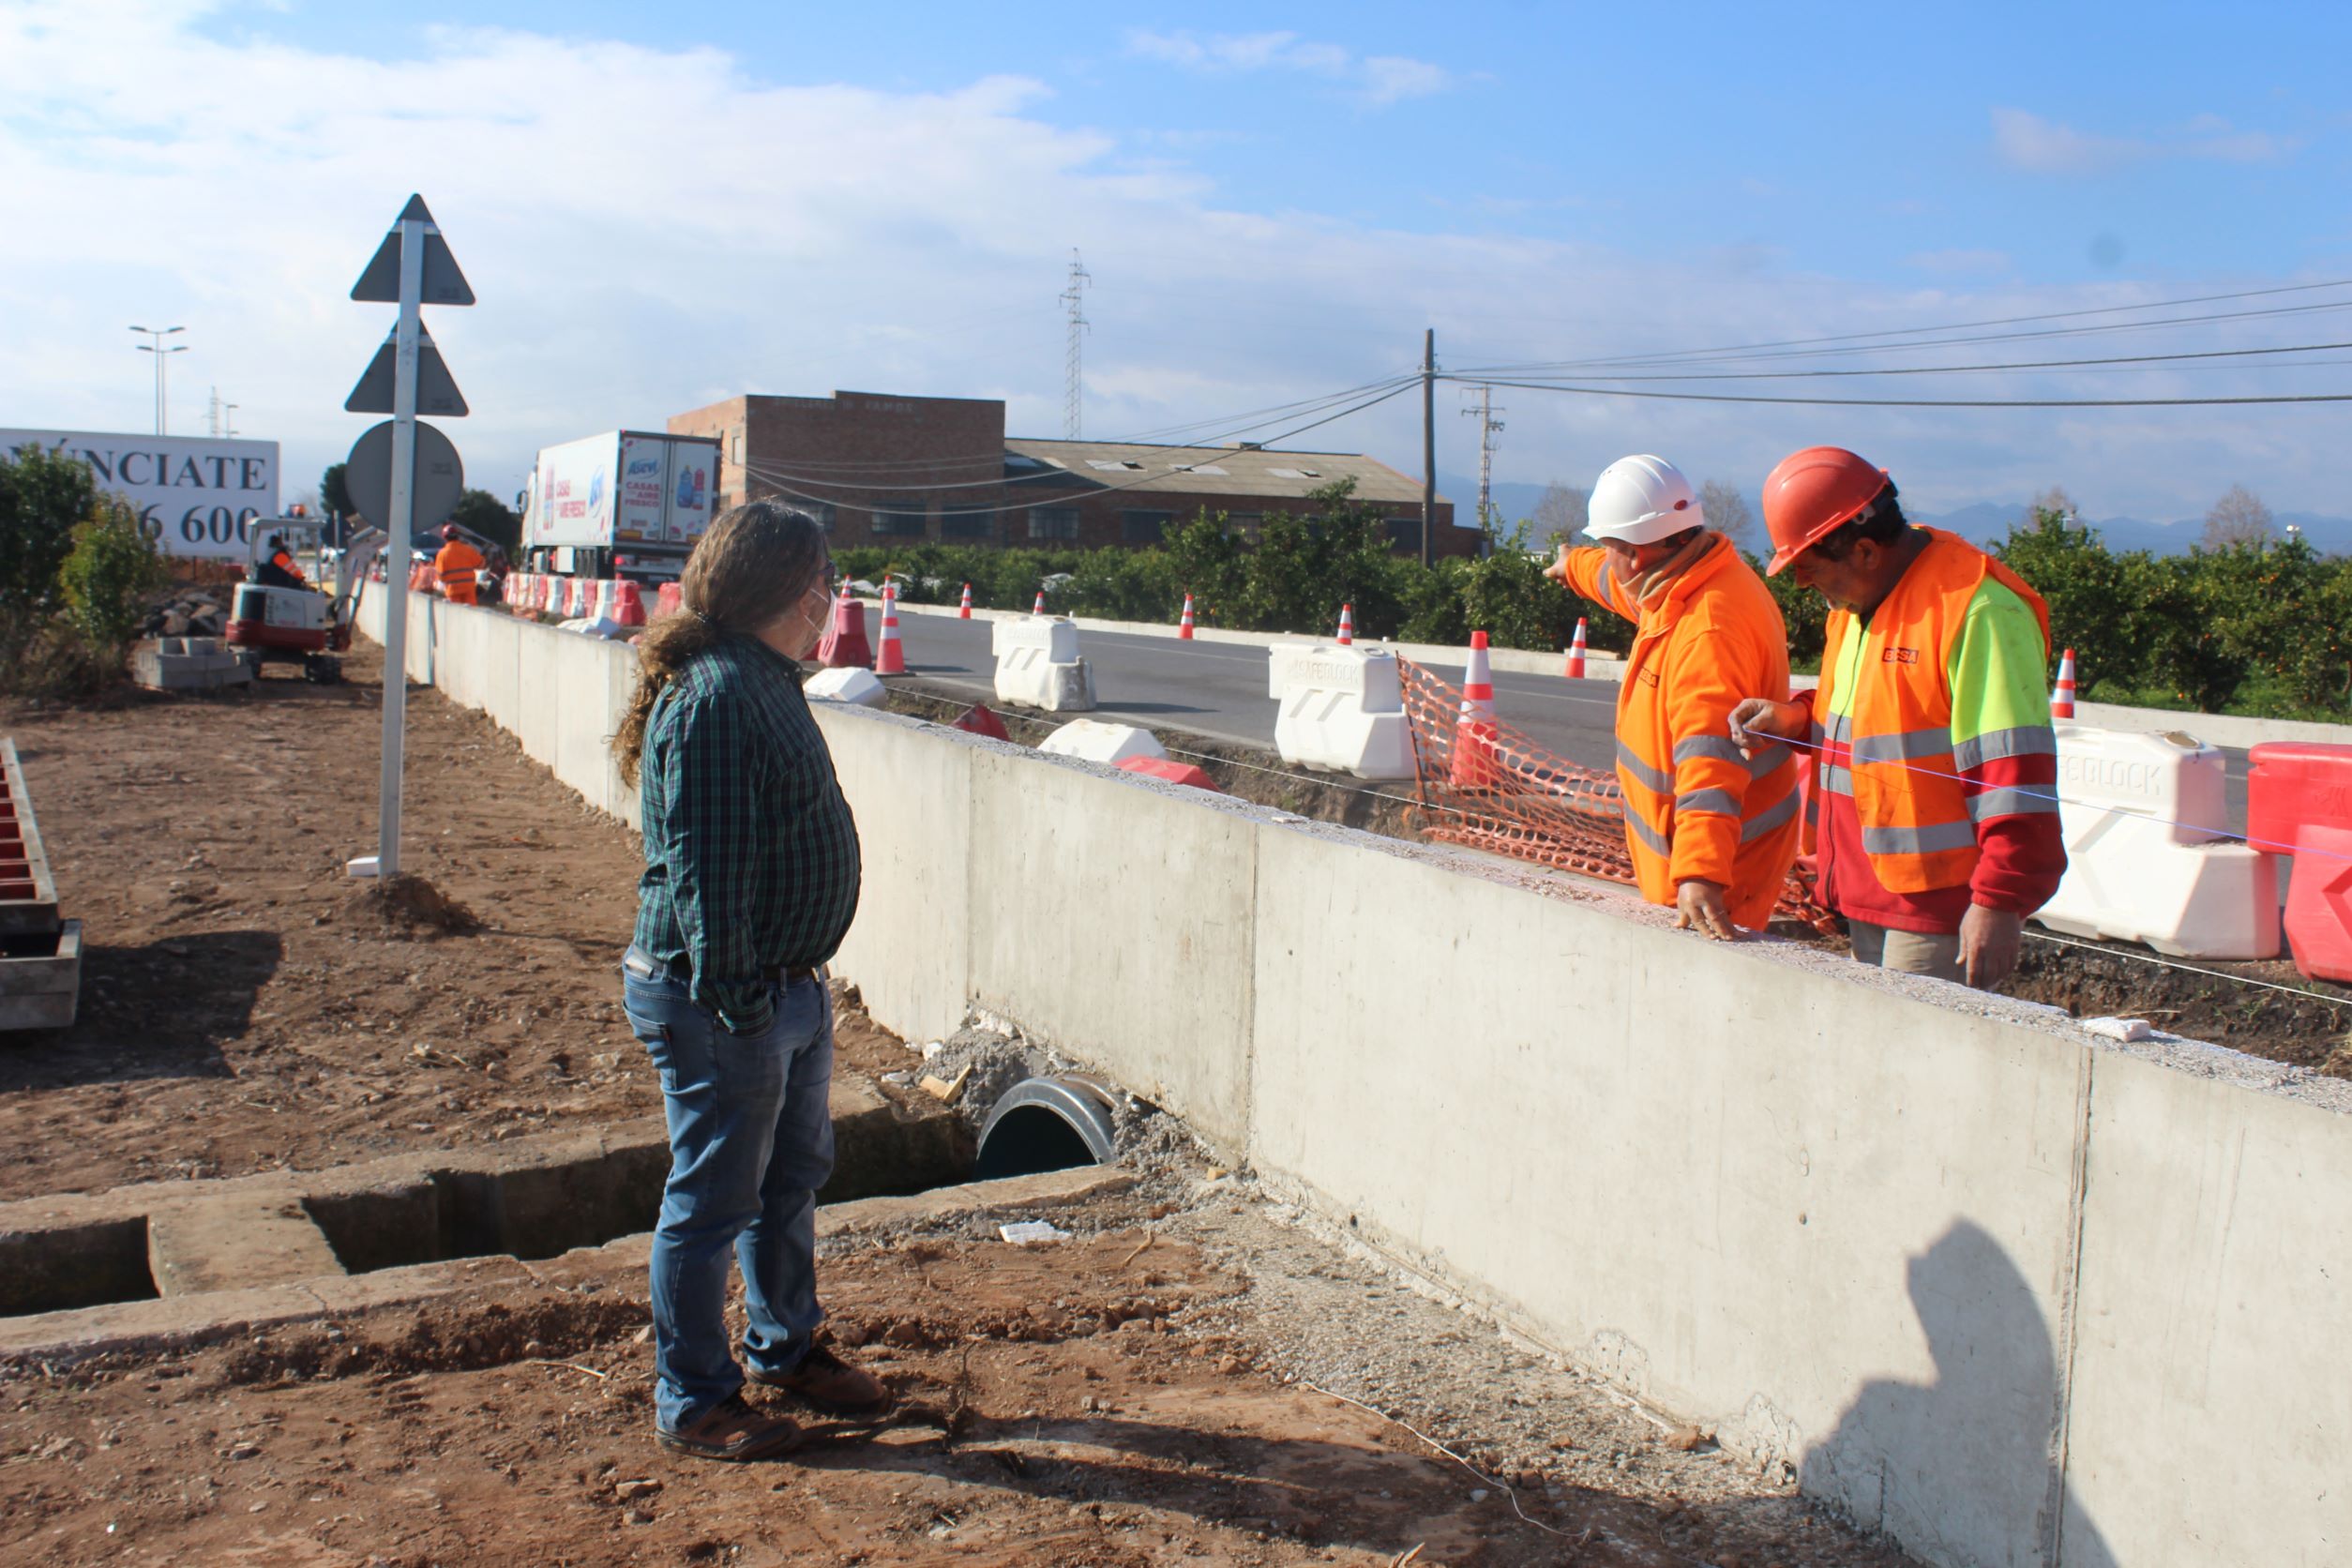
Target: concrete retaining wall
[2014,1296]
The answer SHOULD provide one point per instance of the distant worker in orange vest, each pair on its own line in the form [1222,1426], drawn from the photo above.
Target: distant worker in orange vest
[1711,832]
[457,564]
[1935,766]
[280,570]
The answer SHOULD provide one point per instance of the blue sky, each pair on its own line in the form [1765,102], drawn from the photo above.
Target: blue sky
[663,205]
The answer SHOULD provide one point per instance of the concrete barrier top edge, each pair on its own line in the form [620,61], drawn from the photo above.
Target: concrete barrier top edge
[2228,730]
[2193,1057]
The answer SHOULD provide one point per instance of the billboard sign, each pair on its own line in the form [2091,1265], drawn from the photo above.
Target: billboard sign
[195,495]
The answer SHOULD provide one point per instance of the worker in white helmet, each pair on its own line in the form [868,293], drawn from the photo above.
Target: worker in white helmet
[1712,832]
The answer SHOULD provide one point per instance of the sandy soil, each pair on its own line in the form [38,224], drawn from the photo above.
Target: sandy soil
[246,1005]
[1121,1398]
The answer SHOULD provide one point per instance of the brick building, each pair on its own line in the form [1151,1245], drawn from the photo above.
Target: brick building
[877,469]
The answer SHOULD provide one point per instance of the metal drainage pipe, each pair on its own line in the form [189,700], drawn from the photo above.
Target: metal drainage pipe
[1048,1123]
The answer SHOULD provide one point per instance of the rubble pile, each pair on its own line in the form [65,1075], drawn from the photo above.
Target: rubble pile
[187,612]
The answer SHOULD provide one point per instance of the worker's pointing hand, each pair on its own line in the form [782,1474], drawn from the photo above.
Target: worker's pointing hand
[1558,570]
[1699,906]
[1758,721]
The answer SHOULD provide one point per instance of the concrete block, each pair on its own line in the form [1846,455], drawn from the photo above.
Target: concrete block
[1751,1185]
[847,684]
[2211,1410]
[1118,923]
[1093,741]
[539,694]
[186,664]
[43,991]
[228,1243]
[910,949]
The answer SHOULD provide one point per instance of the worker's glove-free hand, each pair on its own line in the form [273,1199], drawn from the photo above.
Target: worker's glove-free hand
[1989,939]
[1758,721]
[1698,906]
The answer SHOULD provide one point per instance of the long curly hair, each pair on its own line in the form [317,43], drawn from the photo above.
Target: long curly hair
[752,568]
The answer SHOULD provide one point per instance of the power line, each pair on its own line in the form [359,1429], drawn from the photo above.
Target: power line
[1915,402]
[1969,326]
[1955,369]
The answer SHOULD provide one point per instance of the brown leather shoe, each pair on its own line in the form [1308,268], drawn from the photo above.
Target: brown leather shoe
[827,1382]
[732,1430]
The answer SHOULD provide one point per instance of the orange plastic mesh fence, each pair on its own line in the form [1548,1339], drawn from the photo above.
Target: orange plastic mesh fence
[1484,785]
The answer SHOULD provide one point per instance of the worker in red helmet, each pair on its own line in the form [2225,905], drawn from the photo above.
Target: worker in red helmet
[1934,807]
[456,564]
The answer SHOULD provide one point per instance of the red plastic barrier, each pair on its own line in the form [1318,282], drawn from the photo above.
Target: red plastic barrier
[1171,769]
[2319,902]
[2295,784]
[844,644]
[628,604]
[978,721]
[670,601]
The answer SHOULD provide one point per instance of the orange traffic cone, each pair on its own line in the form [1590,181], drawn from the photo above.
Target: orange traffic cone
[1346,626]
[2062,697]
[1039,609]
[891,658]
[964,613]
[1575,654]
[1184,626]
[1474,766]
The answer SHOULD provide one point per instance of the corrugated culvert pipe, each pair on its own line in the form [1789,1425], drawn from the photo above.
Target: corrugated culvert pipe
[1048,1123]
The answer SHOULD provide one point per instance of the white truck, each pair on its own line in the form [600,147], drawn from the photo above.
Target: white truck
[626,504]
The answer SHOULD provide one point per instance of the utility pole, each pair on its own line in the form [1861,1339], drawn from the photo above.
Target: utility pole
[155,346]
[1074,297]
[1429,439]
[1488,425]
[229,421]
[212,415]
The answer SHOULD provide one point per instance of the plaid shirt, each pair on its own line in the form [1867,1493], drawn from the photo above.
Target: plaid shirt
[751,856]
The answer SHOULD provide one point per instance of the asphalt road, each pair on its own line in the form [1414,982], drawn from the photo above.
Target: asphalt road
[1219,689]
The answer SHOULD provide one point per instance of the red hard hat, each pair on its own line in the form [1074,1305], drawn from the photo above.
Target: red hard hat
[1812,494]
[450,531]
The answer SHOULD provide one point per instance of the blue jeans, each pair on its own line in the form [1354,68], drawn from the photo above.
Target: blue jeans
[750,1142]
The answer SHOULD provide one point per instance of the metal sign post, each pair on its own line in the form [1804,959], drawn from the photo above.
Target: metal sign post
[413,264]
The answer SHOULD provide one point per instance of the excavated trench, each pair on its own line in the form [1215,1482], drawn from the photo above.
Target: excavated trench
[528,1199]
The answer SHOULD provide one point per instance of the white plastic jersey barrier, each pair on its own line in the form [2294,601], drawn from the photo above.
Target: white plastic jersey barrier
[1097,742]
[1038,665]
[1343,711]
[848,684]
[2146,859]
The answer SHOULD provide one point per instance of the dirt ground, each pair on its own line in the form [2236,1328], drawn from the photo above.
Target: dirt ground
[1130,1396]
[246,1005]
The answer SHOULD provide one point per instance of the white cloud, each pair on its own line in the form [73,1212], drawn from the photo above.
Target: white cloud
[1959,261]
[652,229]
[2027,141]
[1378,80]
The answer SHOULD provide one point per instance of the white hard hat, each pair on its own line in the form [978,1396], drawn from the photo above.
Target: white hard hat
[1640,500]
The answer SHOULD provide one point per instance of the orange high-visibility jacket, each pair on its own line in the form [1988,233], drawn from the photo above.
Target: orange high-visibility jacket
[1897,744]
[457,564]
[1694,809]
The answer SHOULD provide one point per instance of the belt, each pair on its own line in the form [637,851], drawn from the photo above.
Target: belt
[645,966]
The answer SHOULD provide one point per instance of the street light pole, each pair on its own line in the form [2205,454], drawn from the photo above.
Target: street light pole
[155,346]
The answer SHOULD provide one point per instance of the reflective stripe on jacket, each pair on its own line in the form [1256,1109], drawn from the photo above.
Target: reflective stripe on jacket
[1922,747]
[1695,810]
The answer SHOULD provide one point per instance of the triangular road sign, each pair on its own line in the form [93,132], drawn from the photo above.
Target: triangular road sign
[444,283]
[436,390]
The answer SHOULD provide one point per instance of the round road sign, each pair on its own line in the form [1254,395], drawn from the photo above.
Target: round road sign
[439,477]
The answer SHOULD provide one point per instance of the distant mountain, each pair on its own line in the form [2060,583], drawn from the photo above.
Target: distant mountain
[1983,521]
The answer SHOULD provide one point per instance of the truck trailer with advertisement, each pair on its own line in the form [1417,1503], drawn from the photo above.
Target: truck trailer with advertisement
[628,504]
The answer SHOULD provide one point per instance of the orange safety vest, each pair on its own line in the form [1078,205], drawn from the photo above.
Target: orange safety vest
[1896,738]
[1695,810]
[457,564]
